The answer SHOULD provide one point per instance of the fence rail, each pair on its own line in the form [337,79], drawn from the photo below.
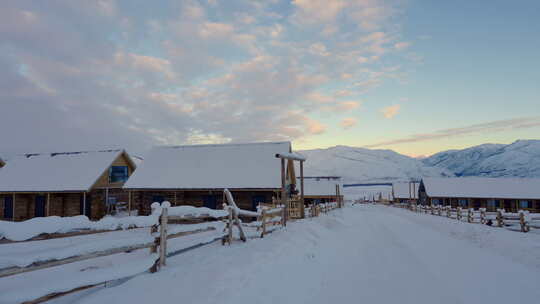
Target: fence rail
[501,218]
[268,218]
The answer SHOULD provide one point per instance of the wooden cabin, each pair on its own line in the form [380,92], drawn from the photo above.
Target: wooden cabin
[405,192]
[512,194]
[317,191]
[197,174]
[64,184]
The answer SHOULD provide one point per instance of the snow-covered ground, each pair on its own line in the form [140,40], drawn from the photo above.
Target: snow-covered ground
[359,254]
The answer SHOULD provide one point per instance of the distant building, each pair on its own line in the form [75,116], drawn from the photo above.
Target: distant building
[318,191]
[405,192]
[197,174]
[512,194]
[63,184]
[335,178]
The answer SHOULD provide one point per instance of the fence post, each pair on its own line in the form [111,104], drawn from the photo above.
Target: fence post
[163,236]
[230,225]
[500,218]
[482,216]
[263,222]
[523,222]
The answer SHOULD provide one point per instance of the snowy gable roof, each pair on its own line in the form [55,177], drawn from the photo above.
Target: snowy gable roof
[66,171]
[313,187]
[252,165]
[479,187]
[405,190]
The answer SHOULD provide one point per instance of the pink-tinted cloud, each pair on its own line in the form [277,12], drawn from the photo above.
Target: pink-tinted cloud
[493,126]
[348,123]
[390,111]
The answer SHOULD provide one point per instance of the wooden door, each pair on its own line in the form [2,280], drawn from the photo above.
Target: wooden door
[8,207]
[210,201]
[39,206]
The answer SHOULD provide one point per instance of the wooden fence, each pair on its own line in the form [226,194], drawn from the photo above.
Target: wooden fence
[267,219]
[500,218]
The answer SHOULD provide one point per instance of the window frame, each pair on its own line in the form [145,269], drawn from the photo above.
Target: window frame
[126,172]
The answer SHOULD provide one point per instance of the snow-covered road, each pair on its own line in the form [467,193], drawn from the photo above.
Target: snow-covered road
[359,254]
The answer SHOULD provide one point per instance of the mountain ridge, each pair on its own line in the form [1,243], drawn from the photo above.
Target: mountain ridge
[355,164]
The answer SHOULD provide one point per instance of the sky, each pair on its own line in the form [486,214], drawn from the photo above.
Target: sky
[417,77]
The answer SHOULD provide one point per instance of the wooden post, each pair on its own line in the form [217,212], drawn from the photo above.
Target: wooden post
[13,208]
[283,193]
[48,203]
[230,225]
[109,207]
[163,237]
[84,204]
[303,210]
[263,222]
[175,198]
[129,202]
[523,222]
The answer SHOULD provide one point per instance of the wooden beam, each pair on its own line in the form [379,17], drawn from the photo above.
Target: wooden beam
[84,204]
[303,215]
[129,203]
[42,265]
[283,194]
[48,204]
[13,208]
[291,156]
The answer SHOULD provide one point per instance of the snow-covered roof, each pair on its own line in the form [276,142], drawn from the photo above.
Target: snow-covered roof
[66,171]
[479,187]
[252,165]
[313,187]
[405,190]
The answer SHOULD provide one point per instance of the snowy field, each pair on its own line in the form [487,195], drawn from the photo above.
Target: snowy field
[359,254]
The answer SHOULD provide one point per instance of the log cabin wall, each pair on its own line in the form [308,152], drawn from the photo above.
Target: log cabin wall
[142,199]
[103,180]
[510,205]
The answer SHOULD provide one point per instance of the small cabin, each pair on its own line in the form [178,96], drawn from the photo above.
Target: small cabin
[64,184]
[405,192]
[511,194]
[196,175]
[323,190]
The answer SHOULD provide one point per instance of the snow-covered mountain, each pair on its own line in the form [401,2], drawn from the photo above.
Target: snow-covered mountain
[519,159]
[360,165]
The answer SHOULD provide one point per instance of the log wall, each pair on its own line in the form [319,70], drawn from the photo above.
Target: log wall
[142,199]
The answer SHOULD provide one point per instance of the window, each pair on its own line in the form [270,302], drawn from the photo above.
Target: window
[436,201]
[157,199]
[118,174]
[493,203]
[463,202]
[525,204]
[112,201]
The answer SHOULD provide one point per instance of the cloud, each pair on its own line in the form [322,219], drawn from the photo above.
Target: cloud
[390,111]
[401,45]
[118,73]
[489,127]
[348,123]
[314,127]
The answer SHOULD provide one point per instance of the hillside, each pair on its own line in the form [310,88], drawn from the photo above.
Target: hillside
[519,159]
[365,165]
[357,165]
